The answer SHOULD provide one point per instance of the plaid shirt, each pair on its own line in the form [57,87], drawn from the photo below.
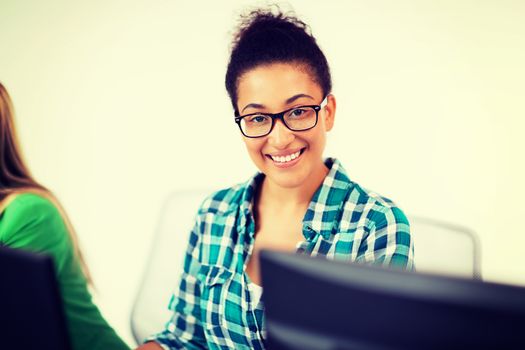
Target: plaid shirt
[212,307]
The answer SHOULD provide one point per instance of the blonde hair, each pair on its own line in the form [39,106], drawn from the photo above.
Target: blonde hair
[16,179]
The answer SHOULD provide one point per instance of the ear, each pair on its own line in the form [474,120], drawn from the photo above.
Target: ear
[329,112]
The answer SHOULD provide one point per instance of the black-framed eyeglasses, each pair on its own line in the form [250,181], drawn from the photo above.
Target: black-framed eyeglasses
[260,124]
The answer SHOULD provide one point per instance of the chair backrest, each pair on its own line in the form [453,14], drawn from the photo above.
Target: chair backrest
[445,248]
[439,247]
[150,310]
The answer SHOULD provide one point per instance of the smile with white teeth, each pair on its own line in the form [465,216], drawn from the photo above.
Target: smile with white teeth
[287,158]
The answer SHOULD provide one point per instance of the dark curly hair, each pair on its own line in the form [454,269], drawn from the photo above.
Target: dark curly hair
[264,37]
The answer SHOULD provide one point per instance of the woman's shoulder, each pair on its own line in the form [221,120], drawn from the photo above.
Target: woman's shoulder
[357,196]
[375,207]
[30,203]
[223,201]
[27,216]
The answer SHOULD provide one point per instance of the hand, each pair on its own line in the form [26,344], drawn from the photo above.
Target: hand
[150,346]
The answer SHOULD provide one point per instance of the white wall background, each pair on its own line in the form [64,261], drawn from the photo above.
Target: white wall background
[120,102]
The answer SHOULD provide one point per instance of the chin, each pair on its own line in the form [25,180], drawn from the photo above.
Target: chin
[287,183]
[293,177]
[287,180]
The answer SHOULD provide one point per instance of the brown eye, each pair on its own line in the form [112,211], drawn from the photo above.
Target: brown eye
[298,112]
[257,119]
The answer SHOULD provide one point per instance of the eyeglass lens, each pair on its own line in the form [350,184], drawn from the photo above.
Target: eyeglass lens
[297,119]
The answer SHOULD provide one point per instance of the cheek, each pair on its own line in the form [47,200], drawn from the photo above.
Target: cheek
[316,138]
[253,146]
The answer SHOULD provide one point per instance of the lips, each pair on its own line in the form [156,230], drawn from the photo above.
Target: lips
[287,158]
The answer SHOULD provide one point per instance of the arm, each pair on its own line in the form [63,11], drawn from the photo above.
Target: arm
[389,241]
[184,330]
[34,224]
[150,346]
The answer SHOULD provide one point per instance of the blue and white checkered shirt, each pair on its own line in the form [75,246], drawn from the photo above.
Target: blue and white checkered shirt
[212,306]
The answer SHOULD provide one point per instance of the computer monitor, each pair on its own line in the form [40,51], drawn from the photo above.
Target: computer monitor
[315,303]
[31,311]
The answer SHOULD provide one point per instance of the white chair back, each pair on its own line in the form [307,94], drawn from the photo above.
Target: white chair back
[165,263]
[445,248]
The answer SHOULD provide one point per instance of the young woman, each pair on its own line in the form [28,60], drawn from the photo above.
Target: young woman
[279,83]
[32,219]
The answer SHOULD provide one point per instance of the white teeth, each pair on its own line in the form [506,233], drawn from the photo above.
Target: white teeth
[288,158]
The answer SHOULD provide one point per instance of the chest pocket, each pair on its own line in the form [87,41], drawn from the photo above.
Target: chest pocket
[345,245]
[214,282]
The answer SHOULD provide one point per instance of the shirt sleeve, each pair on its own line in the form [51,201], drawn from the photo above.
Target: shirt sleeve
[34,224]
[388,241]
[184,330]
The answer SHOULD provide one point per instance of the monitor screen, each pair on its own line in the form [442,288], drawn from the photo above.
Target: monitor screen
[31,311]
[315,303]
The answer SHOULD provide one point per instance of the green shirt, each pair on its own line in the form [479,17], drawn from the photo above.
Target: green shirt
[33,223]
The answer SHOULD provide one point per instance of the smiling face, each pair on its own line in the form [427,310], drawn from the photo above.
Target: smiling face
[288,158]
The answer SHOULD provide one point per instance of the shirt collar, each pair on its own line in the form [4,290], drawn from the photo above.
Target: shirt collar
[248,196]
[324,212]
[246,202]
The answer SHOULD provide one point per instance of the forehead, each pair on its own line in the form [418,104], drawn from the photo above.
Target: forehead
[274,83]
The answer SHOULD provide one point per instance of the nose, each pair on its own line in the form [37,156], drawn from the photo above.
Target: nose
[280,136]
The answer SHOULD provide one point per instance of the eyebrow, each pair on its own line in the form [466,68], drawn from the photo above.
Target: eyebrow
[288,101]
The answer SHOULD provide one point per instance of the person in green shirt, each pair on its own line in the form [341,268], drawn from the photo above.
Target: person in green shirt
[32,219]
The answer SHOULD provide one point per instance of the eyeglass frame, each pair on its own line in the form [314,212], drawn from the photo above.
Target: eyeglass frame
[280,116]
